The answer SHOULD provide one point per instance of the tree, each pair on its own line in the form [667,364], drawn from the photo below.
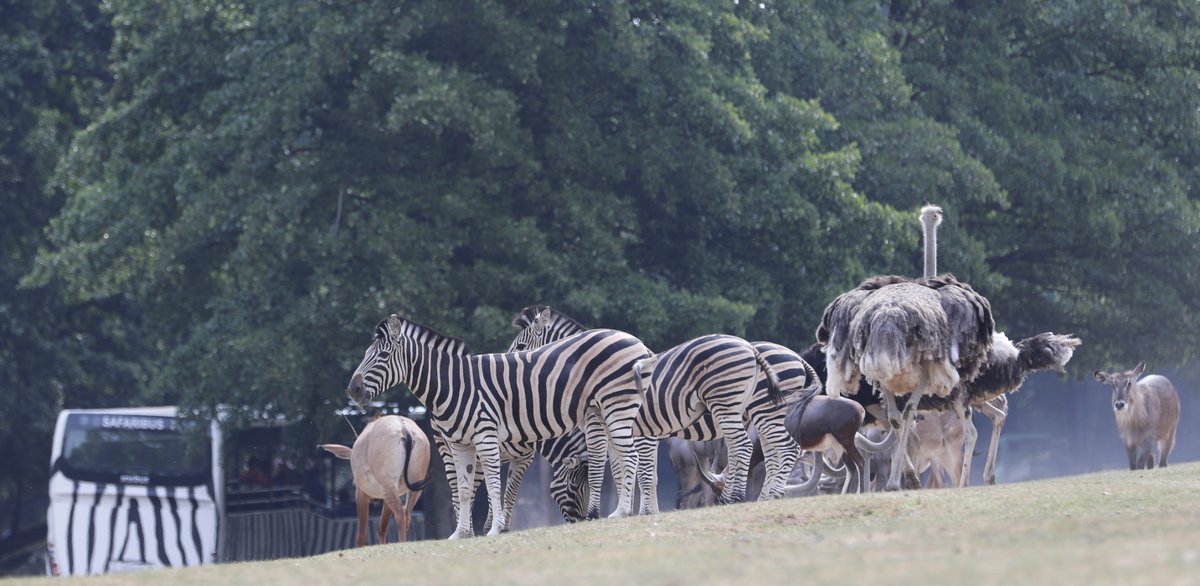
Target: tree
[269,181]
[1087,115]
[54,350]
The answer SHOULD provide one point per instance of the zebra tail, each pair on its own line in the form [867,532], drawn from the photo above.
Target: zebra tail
[647,360]
[412,486]
[774,390]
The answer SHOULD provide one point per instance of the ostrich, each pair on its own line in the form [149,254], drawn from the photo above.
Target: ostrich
[1003,372]
[1008,366]
[908,337]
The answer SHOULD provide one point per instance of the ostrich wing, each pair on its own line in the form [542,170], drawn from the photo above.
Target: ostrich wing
[834,334]
[899,337]
[971,327]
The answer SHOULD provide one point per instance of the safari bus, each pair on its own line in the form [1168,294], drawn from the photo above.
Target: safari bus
[133,489]
[138,488]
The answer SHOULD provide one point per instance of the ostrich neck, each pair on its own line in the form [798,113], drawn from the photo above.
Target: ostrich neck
[930,249]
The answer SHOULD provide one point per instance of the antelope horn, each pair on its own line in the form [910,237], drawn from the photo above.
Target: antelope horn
[864,444]
[810,486]
[715,482]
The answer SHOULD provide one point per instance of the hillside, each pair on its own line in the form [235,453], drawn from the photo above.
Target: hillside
[1108,528]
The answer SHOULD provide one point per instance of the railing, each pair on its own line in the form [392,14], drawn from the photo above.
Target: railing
[299,532]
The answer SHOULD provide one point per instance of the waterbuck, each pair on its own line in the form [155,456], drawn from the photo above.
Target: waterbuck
[1147,412]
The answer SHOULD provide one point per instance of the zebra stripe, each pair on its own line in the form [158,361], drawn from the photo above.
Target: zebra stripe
[567,456]
[119,527]
[539,325]
[481,403]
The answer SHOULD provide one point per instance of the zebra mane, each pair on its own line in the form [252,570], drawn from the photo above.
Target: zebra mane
[526,316]
[430,336]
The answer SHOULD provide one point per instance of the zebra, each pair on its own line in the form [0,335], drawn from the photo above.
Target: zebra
[480,402]
[567,456]
[765,408]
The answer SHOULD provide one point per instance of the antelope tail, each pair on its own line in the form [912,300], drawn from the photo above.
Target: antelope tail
[412,486]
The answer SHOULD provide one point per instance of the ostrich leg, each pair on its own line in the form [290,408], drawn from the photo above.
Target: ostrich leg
[906,423]
[997,411]
[970,436]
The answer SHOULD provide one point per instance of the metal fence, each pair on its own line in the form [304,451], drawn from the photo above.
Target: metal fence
[299,532]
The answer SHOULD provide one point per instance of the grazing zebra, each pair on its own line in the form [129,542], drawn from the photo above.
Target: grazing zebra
[567,456]
[669,411]
[480,402]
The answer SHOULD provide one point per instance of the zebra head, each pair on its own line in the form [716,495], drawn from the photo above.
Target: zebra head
[569,487]
[533,329]
[381,367]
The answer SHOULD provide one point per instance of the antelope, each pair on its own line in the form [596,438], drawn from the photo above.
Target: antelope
[380,459]
[818,424]
[1147,412]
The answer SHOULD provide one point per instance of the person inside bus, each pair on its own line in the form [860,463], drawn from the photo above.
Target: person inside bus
[286,473]
[254,475]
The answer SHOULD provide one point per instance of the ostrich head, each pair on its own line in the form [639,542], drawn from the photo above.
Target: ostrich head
[1047,351]
[931,218]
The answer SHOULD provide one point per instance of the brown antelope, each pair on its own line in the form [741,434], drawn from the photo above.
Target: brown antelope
[820,424]
[380,460]
[1147,412]
[939,448]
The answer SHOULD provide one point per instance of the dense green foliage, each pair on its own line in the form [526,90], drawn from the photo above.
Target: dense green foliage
[213,203]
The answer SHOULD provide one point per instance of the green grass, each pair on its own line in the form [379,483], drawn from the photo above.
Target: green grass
[1107,528]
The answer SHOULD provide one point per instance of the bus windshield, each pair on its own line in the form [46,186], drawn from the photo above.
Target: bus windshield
[135,445]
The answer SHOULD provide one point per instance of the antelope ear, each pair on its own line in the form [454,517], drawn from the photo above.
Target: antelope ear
[1101,376]
[1139,369]
[338,450]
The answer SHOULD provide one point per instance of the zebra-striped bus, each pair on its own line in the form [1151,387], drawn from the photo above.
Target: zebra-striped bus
[133,489]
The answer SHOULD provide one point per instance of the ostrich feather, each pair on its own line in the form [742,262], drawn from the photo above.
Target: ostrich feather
[1005,371]
[902,333]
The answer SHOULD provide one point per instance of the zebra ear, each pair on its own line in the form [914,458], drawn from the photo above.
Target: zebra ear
[542,319]
[395,322]
[570,462]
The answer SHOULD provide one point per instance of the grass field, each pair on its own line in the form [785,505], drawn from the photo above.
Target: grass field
[1107,528]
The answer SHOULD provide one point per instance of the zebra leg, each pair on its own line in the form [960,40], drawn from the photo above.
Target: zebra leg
[647,454]
[463,456]
[596,438]
[451,474]
[780,452]
[448,462]
[738,446]
[488,449]
[512,489]
[621,440]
